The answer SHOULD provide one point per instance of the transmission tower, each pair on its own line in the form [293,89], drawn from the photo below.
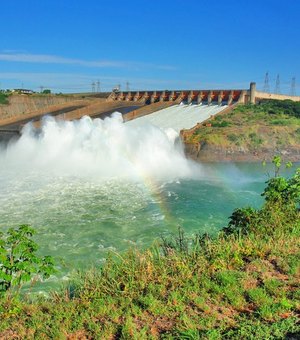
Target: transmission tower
[127,86]
[42,88]
[98,86]
[293,86]
[277,86]
[266,85]
[93,86]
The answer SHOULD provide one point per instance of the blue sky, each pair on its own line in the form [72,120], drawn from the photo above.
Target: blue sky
[66,45]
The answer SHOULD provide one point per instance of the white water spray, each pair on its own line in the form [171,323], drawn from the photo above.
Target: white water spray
[98,149]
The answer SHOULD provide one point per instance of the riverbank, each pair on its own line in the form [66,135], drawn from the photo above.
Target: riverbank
[242,284]
[249,133]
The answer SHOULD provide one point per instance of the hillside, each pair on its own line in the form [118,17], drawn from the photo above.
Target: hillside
[248,133]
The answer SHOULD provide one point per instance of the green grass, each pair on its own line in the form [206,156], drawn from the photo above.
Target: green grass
[266,126]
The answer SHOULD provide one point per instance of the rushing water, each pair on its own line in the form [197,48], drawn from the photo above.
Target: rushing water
[91,186]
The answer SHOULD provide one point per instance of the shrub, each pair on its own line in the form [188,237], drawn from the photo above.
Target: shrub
[223,123]
[3,98]
[241,220]
[18,260]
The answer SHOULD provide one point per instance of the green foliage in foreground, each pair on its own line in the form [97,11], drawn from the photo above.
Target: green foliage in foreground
[18,260]
[244,284]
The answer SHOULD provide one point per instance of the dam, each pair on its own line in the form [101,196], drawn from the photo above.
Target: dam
[177,109]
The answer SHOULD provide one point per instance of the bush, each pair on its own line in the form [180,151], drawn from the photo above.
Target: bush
[241,220]
[282,198]
[287,107]
[220,124]
[3,98]
[18,260]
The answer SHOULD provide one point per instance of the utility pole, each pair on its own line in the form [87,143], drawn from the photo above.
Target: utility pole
[266,84]
[98,86]
[277,86]
[293,87]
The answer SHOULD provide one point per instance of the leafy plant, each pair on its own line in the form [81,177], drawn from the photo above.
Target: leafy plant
[240,220]
[18,260]
[282,190]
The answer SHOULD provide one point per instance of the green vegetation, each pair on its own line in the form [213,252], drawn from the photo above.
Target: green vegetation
[46,91]
[287,107]
[270,126]
[18,260]
[3,98]
[243,284]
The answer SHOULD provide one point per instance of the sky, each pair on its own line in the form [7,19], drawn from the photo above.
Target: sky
[68,45]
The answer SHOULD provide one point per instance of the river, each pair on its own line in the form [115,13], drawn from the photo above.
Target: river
[93,186]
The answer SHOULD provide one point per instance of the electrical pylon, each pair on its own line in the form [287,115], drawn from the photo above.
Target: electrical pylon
[266,84]
[277,85]
[293,87]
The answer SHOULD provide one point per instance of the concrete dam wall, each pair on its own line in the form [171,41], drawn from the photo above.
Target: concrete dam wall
[188,96]
[208,97]
[22,104]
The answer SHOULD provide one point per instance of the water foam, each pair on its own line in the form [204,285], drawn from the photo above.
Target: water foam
[97,148]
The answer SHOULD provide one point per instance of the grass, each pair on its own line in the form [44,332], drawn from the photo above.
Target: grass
[272,125]
[243,284]
[227,287]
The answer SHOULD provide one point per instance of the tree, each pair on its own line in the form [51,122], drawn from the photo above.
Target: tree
[46,91]
[18,260]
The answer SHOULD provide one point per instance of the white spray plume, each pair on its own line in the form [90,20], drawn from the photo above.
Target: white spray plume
[98,148]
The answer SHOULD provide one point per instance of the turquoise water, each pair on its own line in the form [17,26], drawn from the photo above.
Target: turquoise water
[78,220]
[92,187]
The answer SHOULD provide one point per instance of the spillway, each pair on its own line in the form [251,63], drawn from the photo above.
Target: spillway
[179,116]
